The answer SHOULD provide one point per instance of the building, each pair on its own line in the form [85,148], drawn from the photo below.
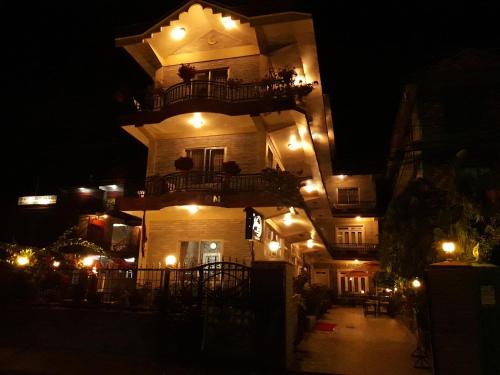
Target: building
[279,132]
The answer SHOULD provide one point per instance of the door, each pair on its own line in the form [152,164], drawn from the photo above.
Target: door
[200,85]
[218,83]
[322,277]
[350,236]
[207,162]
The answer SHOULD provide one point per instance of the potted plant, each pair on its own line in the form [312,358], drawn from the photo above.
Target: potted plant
[186,72]
[234,82]
[231,168]
[184,164]
[287,75]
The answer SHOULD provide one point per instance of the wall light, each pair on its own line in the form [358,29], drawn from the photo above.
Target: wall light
[274,245]
[448,247]
[130,260]
[341,176]
[22,260]
[192,208]
[56,263]
[88,261]
[228,23]
[287,220]
[170,260]
[310,243]
[178,33]
[213,245]
[197,120]
[293,144]
[309,187]
[358,218]
[416,283]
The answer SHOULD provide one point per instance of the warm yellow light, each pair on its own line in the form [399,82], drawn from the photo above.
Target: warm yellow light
[213,246]
[192,208]
[22,260]
[56,263]
[358,218]
[197,120]
[292,211]
[309,187]
[274,245]
[356,260]
[104,216]
[287,220]
[388,290]
[170,260]
[341,176]
[416,283]
[293,144]
[178,33]
[448,247]
[88,261]
[362,292]
[228,23]
[310,243]
[300,79]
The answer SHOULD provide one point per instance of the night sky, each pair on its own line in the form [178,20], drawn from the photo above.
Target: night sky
[59,118]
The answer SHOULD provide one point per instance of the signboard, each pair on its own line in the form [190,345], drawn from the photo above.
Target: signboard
[37,200]
[254,225]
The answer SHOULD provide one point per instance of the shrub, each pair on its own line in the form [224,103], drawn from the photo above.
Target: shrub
[184,163]
[186,72]
[231,168]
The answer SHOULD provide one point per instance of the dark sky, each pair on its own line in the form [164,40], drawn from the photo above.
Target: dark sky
[59,123]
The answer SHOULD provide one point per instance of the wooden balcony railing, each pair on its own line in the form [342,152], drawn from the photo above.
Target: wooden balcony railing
[218,182]
[221,92]
[355,251]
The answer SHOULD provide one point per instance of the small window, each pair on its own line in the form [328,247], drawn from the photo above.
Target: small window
[348,195]
[270,158]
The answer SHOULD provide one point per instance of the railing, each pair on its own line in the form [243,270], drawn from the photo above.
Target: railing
[220,91]
[349,251]
[217,182]
[362,247]
[355,206]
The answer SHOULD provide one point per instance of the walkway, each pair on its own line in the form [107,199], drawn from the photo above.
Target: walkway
[359,345]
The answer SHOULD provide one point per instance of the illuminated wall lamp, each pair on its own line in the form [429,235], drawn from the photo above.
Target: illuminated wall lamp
[170,260]
[287,220]
[228,23]
[178,33]
[274,246]
[309,187]
[192,208]
[197,120]
[310,243]
[293,144]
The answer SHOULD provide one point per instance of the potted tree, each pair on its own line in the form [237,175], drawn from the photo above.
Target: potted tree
[184,164]
[230,168]
[186,72]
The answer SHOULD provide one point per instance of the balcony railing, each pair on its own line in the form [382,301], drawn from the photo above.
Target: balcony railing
[355,251]
[221,92]
[218,182]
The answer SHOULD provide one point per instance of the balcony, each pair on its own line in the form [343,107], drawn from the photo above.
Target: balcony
[213,96]
[360,207]
[365,251]
[216,188]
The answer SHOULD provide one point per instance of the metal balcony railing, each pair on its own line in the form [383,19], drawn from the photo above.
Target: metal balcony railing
[219,182]
[361,248]
[222,92]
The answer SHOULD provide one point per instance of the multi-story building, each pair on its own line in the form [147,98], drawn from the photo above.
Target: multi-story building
[280,134]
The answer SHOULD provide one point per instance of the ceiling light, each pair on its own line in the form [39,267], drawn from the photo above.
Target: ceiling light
[228,23]
[341,176]
[309,187]
[192,208]
[197,120]
[170,260]
[178,33]
[293,144]
[358,218]
[310,243]
[130,260]
[287,219]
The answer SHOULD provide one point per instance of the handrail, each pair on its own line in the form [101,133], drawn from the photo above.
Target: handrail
[220,91]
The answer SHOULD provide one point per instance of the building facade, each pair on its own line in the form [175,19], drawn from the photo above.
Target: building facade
[253,96]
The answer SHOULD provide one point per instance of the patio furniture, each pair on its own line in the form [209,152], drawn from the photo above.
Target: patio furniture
[370,306]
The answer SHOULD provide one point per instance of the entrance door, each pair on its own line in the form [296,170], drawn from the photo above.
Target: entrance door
[207,162]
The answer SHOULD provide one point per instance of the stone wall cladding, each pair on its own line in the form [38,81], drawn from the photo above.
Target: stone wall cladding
[246,149]
[246,68]
[164,238]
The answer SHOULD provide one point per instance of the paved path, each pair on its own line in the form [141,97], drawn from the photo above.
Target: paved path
[359,346]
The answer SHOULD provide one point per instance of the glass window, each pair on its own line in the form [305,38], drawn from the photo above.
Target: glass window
[348,195]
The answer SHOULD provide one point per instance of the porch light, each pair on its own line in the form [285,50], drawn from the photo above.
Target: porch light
[416,283]
[178,33]
[22,260]
[197,120]
[287,220]
[448,247]
[170,260]
[213,246]
[358,218]
[130,260]
[228,23]
[310,243]
[309,187]
[88,261]
[274,245]
[293,144]
[356,260]
[56,263]
[341,176]
[192,208]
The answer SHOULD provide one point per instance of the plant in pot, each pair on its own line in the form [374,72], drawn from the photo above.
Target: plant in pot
[184,164]
[186,72]
[230,168]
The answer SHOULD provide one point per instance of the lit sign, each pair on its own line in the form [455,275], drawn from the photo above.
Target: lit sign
[254,225]
[39,200]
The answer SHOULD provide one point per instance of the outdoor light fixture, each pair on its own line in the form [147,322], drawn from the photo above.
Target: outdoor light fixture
[84,190]
[292,210]
[310,243]
[341,176]
[22,260]
[228,23]
[192,208]
[197,120]
[170,260]
[358,218]
[274,245]
[213,245]
[119,225]
[56,263]
[309,187]
[416,283]
[130,260]
[388,290]
[178,33]
[88,261]
[356,260]
[293,144]
[448,247]
[362,291]
[287,219]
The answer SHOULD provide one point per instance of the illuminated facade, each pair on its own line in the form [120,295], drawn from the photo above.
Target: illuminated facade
[228,109]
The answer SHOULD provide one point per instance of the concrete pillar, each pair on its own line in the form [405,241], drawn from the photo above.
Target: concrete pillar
[275,313]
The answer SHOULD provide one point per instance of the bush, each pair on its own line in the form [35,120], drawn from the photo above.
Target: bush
[231,167]
[184,163]
[186,72]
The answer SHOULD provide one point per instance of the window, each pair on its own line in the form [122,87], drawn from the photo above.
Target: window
[210,83]
[270,158]
[272,235]
[348,195]
[200,252]
[206,159]
[353,282]
[351,235]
